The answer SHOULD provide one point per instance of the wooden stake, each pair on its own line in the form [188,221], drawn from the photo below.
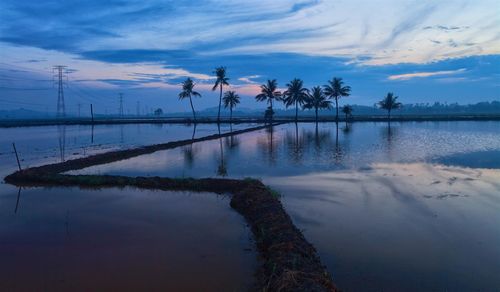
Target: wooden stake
[17,157]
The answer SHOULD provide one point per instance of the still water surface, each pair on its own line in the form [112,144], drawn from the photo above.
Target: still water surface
[410,207]
[67,239]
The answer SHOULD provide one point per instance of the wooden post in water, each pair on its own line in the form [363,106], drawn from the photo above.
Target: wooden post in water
[92,113]
[17,157]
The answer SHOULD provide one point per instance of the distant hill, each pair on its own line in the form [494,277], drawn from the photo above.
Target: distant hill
[24,114]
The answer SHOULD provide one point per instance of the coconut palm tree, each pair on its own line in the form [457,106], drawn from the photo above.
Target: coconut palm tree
[268,92]
[231,99]
[316,100]
[187,92]
[390,103]
[335,89]
[296,95]
[220,81]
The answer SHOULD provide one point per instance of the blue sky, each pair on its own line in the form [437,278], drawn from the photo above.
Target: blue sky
[424,51]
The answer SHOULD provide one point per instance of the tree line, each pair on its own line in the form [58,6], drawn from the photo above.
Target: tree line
[296,95]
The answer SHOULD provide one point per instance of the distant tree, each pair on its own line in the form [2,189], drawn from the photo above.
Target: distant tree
[158,112]
[268,92]
[268,114]
[389,103]
[220,81]
[335,89]
[231,99]
[316,100]
[347,110]
[187,92]
[296,95]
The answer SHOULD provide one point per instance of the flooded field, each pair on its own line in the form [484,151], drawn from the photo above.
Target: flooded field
[122,239]
[406,207]
[56,239]
[411,207]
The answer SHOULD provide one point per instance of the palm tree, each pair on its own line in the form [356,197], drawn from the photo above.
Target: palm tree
[231,99]
[220,81]
[390,103]
[336,89]
[268,92]
[347,110]
[316,99]
[187,91]
[295,94]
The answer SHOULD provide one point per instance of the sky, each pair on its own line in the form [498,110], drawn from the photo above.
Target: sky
[423,51]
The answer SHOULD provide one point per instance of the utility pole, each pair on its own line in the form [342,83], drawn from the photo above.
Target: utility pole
[138,108]
[61,109]
[120,110]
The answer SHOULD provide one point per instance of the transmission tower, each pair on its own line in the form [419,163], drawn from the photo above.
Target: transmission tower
[120,110]
[61,108]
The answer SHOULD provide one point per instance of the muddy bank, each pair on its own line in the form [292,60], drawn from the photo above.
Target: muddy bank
[288,261]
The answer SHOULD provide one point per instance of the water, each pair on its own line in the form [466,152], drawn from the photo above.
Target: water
[60,239]
[50,144]
[67,239]
[410,207]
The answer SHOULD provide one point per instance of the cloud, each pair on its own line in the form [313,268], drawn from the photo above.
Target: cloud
[163,31]
[248,79]
[408,76]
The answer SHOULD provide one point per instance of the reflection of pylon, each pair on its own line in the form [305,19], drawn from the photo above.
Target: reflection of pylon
[61,109]
[120,110]
[62,141]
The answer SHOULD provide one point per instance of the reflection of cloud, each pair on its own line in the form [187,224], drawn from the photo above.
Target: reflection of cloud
[424,74]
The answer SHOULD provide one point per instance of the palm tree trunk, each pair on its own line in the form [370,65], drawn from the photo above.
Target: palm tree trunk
[316,115]
[231,114]
[296,111]
[389,115]
[271,102]
[346,120]
[220,103]
[337,107]
[192,108]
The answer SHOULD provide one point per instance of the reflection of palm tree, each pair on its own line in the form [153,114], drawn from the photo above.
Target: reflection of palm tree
[335,89]
[338,150]
[268,92]
[295,144]
[390,102]
[220,81]
[221,168]
[267,146]
[232,142]
[189,150]
[389,135]
[188,92]
[296,95]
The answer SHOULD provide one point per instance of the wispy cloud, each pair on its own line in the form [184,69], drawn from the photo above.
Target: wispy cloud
[408,76]
[248,79]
